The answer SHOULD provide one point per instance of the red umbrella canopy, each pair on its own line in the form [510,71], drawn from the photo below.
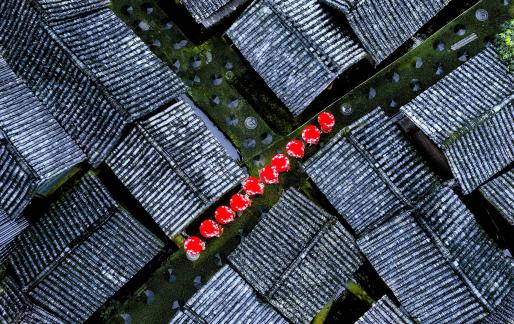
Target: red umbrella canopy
[224,215]
[326,122]
[194,246]
[210,229]
[269,175]
[296,149]
[239,202]
[281,163]
[311,134]
[252,186]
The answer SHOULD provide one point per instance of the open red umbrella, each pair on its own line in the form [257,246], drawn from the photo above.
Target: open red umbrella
[239,202]
[326,122]
[269,175]
[281,163]
[224,215]
[296,149]
[193,247]
[311,134]
[252,186]
[210,229]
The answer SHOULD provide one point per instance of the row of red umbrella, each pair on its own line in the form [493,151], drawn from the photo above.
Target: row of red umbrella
[253,186]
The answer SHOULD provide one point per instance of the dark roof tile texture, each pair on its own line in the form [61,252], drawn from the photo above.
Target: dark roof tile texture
[81,251]
[470,248]
[93,60]
[384,25]
[66,9]
[384,311]
[174,167]
[123,64]
[371,173]
[15,307]
[298,257]
[418,274]
[468,114]
[500,193]
[295,46]
[32,130]
[16,181]
[227,298]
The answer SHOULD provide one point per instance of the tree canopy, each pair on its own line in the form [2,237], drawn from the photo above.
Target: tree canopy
[505,44]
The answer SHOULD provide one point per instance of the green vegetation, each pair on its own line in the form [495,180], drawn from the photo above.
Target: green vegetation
[322,315]
[160,311]
[201,67]
[358,291]
[505,44]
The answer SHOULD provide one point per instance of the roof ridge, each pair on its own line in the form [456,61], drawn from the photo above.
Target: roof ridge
[173,164]
[84,69]
[309,46]
[449,259]
[331,221]
[72,246]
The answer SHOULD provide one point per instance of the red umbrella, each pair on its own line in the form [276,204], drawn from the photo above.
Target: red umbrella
[281,163]
[269,175]
[311,134]
[210,229]
[224,215]
[240,202]
[296,149]
[252,186]
[193,247]
[326,122]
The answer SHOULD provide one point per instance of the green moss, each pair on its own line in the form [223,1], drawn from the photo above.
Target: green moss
[505,44]
[359,292]
[322,315]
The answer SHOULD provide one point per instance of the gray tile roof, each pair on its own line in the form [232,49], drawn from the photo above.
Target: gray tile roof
[342,5]
[174,166]
[81,251]
[500,193]
[418,274]
[33,131]
[75,65]
[113,53]
[227,298]
[9,229]
[439,262]
[485,150]
[468,115]
[295,46]
[298,257]
[210,12]
[503,313]
[371,173]
[470,248]
[384,25]
[16,308]
[17,182]
[66,9]
[384,311]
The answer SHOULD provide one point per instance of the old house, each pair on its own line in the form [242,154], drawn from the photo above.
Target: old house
[382,26]
[295,46]
[93,74]
[298,257]
[468,115]
[81,251]
[174,166]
